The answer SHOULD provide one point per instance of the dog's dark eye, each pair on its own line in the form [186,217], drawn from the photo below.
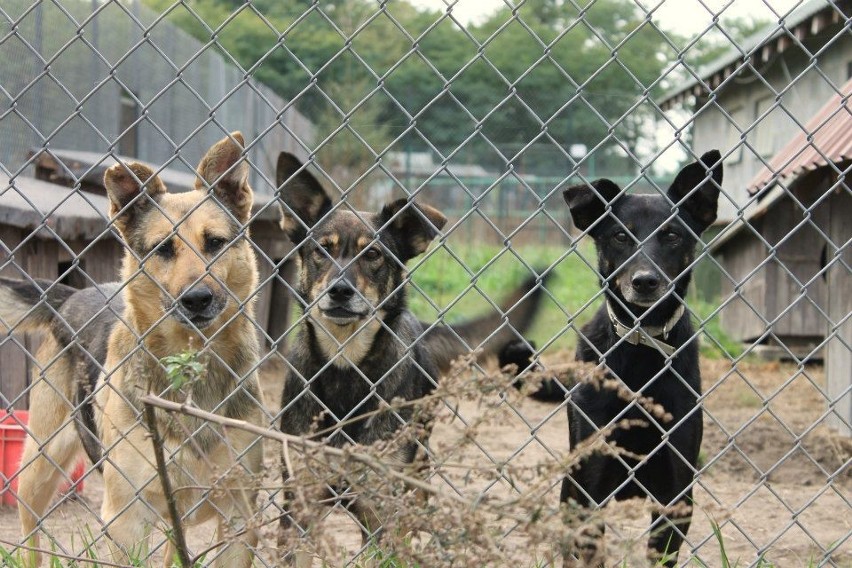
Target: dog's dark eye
[166,249]
[621,237]
[214,244]
[670,236]
[372,253]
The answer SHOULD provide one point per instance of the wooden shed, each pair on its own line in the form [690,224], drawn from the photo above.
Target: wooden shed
[50,230]
[789,259]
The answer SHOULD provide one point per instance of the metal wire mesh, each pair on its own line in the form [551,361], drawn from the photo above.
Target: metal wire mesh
[486,121]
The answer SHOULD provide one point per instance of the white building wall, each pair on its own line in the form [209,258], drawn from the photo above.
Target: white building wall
[749,127]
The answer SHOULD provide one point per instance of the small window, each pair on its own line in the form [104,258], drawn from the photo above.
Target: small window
[128,144]
[765,128]
[848,70]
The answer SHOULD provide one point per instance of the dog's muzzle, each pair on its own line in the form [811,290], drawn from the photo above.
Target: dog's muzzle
[341,304]
[198,307]
[644,288]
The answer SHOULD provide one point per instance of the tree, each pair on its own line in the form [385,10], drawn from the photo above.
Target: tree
[514,88]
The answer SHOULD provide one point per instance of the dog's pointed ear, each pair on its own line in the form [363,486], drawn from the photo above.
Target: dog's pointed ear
[124,184]
[224,169]
[303,199]
[696,189]
[587,203]
[412,226]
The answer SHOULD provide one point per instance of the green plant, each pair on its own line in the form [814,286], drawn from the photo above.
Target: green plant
[377,557]
[11,560]
[462,282]
[715,341]
[725,562]
[183,368]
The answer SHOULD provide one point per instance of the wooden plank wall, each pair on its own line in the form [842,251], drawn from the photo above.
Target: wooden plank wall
[778,285]
[839,348]
[744,317]
[39,259]
[272,310]
[797,262]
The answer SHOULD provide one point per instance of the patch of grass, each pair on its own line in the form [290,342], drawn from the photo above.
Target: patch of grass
[715,343]
[376,557]
[443,282]
[725,561]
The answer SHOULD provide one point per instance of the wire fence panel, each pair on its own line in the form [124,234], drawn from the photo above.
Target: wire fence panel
[414,283]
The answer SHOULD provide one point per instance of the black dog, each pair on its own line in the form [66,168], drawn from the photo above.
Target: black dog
[645,247]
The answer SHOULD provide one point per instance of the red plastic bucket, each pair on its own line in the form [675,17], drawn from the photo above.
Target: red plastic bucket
[12,437]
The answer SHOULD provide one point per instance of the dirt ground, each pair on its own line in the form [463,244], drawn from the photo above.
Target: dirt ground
[775,479]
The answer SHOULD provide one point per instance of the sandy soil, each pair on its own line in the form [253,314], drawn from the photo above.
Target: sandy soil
[776,480]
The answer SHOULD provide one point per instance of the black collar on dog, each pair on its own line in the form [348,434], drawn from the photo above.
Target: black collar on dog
[647,335]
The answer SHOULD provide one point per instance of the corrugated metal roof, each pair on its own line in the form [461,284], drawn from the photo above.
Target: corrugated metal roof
[826,138]
[808,19]
[73,166]
[29,203]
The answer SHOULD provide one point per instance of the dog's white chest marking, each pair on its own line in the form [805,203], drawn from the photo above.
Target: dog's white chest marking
[346,345]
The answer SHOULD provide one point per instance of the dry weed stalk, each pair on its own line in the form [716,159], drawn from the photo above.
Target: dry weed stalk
[428,519]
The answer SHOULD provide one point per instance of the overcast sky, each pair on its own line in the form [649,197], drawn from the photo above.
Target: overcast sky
[684,15]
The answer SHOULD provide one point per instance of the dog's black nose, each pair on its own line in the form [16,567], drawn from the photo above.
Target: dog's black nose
[645,282]
[341,291]
[197,300]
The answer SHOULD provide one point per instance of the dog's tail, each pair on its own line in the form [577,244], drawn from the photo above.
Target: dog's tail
[31,305]
[521,354]
[490,334]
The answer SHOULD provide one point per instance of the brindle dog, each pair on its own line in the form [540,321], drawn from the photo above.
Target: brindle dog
[359,347]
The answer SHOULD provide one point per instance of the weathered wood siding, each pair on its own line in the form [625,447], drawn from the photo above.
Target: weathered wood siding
[39,259]
[745,285]
[795,292]
[788,294]
[273,299]
[839,346]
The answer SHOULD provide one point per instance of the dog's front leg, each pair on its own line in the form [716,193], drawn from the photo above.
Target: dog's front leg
[667,530]
[131,497]
[128,521]
[239,550]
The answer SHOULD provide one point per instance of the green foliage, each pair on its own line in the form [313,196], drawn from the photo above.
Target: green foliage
[503,79]
[183,368]
[462,282]
[715,343]
[376,557]
[12,560]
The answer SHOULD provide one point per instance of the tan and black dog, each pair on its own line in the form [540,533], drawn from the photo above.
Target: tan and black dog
[359,347]
[189,274]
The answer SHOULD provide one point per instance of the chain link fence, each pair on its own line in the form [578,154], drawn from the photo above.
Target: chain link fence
[238,382]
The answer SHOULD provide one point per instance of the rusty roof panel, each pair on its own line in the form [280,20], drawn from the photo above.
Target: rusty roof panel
[826,138]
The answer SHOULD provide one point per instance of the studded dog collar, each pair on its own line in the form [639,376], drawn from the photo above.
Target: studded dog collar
[649,336]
